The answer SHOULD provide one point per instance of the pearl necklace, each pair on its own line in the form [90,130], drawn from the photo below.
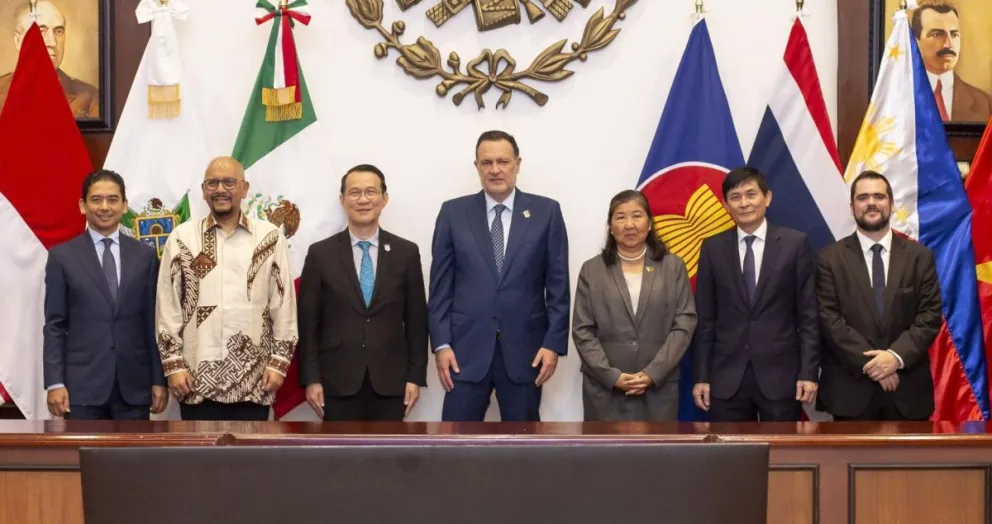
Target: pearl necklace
[635,259]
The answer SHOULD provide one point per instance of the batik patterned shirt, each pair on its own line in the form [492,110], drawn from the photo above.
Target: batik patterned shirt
[226,308]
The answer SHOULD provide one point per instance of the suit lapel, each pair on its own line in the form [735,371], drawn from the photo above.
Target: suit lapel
[87,256]
[478,220]
[732,256]
[347,258]
[384,260]
[768,257]
[617,272]
[647,280]
[897,263]
[519,226]
[862,280]
[128,262]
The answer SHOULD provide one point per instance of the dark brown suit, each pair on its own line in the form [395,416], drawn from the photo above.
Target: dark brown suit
[849,325]
[970,103]
[83,98]
[352,349]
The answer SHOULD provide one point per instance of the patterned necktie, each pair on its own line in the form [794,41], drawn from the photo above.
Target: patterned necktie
[110,268]
[878,279]
[367,276]
[497,235]
[750,282]
[938,95]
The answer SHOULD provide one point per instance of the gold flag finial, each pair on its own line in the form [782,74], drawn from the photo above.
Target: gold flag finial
[34,10]
[699,7]
[903,5]
[799,5]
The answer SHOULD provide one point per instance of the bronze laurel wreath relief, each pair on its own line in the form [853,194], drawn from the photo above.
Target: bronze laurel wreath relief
[422,59]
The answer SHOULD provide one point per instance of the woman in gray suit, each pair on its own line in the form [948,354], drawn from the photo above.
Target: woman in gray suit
[634,316]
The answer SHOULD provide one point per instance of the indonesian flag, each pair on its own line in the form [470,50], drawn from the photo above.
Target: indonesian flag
[43,161]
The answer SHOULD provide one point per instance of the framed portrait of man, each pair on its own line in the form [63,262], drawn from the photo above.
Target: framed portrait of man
[956,46]
[77,35]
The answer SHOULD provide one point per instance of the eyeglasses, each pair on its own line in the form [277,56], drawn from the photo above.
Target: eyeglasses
[214,183]
[370,193]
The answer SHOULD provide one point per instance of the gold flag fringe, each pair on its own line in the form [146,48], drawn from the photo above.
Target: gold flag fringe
[283,113]
[278,97]
[163,102]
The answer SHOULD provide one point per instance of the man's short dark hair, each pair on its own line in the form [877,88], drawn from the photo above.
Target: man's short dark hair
[940,7]
[368,168]
[495,136]
[871,175]
[741,176]
[103,175]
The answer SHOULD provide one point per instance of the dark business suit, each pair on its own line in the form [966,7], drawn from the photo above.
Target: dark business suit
[970,104]
[753,355]
[497,321]
[363,356]
[102,347]
[850,326]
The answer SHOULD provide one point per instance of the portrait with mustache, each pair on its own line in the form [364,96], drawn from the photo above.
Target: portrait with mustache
[937,27]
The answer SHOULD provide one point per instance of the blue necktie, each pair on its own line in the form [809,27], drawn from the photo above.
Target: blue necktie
[367,276]
[497,234]
[750,282]
[110,268]
[878,279]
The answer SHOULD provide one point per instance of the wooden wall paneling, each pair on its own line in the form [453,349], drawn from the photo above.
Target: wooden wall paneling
[919,493]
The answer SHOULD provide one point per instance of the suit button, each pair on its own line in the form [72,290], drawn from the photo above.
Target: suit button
[363,345]
[368,320]
[634,344]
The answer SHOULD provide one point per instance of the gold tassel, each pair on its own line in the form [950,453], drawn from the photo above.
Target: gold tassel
[283,113]
[278,97]
[163,102]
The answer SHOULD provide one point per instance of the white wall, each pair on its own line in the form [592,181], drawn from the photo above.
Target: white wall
[586,144]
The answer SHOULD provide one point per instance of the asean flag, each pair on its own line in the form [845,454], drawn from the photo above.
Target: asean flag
[694,147]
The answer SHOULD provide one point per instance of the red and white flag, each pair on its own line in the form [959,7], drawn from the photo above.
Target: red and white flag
[43,161]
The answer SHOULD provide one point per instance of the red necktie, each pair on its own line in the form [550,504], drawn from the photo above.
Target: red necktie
[938,94]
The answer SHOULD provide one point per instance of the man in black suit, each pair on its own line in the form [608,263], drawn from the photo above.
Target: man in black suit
[756,349]
[101,359]
[363,313]
[880,310]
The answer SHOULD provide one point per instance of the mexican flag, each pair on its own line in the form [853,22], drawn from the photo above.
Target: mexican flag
[272,128]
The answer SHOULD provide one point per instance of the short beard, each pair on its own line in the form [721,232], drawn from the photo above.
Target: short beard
[872,228]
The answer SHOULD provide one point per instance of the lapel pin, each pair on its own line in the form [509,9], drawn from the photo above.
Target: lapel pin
[386,247]
[526,213]
[648,269]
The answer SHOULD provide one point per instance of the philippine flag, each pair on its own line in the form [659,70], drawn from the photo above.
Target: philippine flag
[694,147]
[903,137]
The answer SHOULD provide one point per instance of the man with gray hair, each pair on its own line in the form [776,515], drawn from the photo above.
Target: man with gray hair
[83,98]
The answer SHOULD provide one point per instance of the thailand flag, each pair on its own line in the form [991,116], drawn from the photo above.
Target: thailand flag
[903,137]
[796,152]
[694,147]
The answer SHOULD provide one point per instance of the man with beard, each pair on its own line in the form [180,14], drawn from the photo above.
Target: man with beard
[880,310]
[226,315]
[938,34]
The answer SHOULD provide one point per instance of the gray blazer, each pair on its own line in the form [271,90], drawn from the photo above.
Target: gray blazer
[611,339]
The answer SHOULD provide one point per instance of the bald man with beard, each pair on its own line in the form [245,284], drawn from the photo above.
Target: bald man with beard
[83,98]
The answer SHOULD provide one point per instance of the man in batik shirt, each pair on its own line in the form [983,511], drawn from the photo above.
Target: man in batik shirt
[226,308]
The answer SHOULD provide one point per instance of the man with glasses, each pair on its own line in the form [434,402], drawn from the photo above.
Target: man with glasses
[363,313]
[226,310]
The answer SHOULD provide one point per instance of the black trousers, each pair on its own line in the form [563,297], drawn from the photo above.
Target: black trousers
[366,405]
[114,409]
[210,410]
[748,404]
[881,408]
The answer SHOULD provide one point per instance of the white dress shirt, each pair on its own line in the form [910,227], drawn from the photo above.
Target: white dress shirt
[634,288]
[115,248]
[757,246]
[506,217]
[357,252]
[866,245]
[946,89]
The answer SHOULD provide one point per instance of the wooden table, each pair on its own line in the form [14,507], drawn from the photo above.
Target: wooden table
[820,472]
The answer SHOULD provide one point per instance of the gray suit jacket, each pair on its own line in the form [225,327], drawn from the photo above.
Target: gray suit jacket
[611,339]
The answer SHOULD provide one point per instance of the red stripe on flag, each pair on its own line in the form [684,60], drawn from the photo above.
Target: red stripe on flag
[953,398]
[799,61]
[289,63]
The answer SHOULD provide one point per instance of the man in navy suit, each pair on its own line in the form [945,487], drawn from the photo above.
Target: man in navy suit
[499,291]
[101,359]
